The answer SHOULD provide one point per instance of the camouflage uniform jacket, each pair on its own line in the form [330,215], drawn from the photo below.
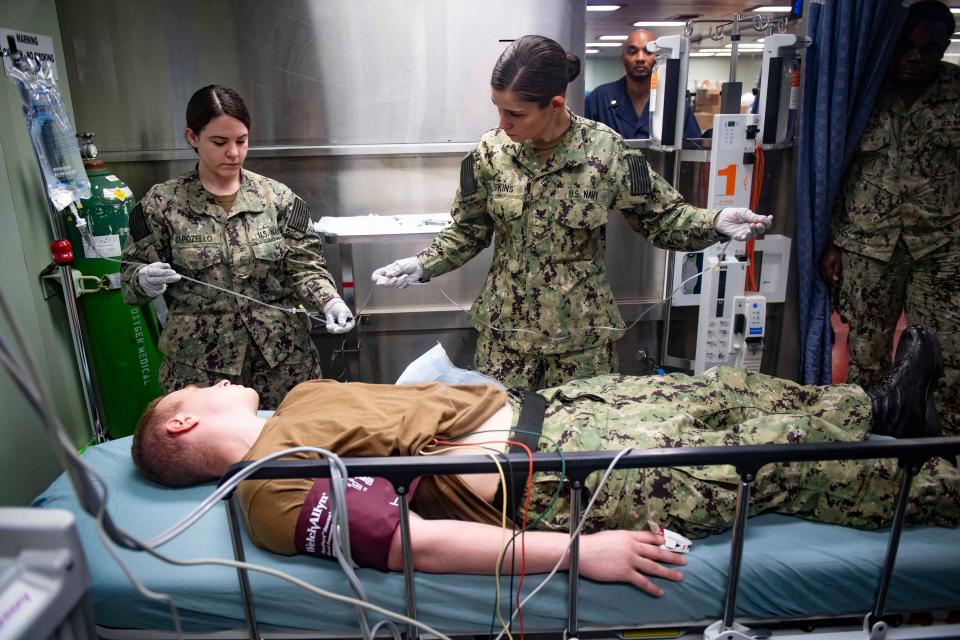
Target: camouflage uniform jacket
[264,248]
[904,181]
[548,277]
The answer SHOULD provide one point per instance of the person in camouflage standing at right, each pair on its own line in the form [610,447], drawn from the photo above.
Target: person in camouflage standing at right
[896,222]
[542,184]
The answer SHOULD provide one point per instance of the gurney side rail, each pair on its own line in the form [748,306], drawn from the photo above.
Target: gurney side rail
[577,466]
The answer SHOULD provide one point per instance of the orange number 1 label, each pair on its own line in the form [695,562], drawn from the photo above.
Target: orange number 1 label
[730,173]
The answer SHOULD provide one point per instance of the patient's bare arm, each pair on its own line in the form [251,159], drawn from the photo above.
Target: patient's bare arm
[453,546]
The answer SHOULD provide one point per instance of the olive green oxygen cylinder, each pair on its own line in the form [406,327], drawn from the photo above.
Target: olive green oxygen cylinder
[122,338]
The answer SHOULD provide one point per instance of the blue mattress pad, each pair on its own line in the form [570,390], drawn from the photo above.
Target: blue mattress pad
[791,569]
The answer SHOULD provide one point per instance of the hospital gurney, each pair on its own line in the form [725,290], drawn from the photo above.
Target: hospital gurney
[790,569]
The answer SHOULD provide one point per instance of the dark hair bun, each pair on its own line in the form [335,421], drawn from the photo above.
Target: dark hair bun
[573,67]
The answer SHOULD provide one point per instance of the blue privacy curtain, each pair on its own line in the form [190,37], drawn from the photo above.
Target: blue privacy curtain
[845,66]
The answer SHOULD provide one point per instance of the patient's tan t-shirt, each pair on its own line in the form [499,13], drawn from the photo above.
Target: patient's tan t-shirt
[359,419]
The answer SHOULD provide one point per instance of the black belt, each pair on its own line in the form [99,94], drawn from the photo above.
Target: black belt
[533,406]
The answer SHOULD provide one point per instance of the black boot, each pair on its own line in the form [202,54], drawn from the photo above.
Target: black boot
[903,401]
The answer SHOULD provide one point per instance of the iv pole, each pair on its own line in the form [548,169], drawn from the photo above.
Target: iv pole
[63,256]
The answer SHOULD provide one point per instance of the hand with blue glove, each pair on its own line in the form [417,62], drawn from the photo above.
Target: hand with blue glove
[339,317]
[399,273]
[739,223]
[155,277]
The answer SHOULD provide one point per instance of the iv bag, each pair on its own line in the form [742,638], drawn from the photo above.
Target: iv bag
[51,134]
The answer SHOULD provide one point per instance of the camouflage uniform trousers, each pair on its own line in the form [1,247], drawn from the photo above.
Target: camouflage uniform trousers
[872,295]
[272,384]
[728,407]
[530,370]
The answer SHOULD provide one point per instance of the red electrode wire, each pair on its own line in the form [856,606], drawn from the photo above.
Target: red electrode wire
[526,508]
[756,188]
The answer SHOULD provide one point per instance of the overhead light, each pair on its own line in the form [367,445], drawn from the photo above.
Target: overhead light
[602,44]
[702,54]
[659,23]
[592,51]
[955,10]
[602,7]
[771,8]
[745,46]
[613,37]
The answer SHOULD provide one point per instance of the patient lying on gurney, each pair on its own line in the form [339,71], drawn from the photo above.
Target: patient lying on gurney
[195,434]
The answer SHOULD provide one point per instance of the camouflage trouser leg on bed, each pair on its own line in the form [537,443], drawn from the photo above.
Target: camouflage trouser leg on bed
[729,407]
[872,295]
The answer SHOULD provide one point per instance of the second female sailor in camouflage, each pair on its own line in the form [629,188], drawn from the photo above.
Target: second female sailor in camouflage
[542,184]
[547,296]
[255,242]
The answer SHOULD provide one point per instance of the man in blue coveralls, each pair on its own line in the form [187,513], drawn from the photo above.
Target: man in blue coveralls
[622,105]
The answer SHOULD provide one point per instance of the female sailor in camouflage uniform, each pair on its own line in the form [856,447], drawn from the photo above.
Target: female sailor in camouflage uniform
[222,225]
[543,181]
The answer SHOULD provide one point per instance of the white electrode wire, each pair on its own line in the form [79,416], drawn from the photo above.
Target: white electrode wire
[338,474]
[492,454]
[588,327]
[296,582]
[25,374]
[85,231]
[69,459]
[573,536]
[108,544]
[73,464]
[31,390]
[386,623]
[241,565]
[217,495]
[341,540]
[341,527]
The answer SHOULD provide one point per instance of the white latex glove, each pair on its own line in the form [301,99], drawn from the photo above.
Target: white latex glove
[339,317]
[399,273]
[740,223]
[155,277]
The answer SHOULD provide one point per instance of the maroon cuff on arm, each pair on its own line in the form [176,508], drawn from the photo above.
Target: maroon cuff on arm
[373,515]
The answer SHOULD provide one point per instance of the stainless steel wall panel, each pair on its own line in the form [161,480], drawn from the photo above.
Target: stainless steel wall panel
[311,71]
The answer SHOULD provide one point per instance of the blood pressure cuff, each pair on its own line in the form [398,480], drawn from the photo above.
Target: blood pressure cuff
[373,514]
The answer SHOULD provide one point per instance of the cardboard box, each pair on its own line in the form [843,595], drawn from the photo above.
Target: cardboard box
[704,120]
[708,100]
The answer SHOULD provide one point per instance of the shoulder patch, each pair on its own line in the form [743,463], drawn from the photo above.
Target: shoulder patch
[138,224]
[297,216]
[468,176]
[640,182]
